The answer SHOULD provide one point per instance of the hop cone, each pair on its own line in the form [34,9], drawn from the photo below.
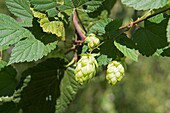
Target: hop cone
[92,41]
[85,69]
[115,72]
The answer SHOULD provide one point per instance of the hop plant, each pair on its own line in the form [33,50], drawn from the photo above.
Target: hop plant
[86,68]
[92,41]
[115,72]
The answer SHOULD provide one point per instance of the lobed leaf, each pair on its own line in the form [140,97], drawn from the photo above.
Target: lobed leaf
[42,91]
[99,26]
[54,27]
[150,38]
[145,4]
[11,31]
[21,9]
[30,49]
[68,88]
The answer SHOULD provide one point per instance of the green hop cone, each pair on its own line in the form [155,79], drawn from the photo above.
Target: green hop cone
[92,41]
[86,68]
[115,72]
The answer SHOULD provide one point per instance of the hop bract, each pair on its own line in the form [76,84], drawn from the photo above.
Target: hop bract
[115,72]
[86,68]
[92,41]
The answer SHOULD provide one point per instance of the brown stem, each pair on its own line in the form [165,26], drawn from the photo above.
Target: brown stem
[77,26]
[145,17]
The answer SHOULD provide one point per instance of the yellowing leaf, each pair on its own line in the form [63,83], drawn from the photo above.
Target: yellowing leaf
[54,27]
[38,14]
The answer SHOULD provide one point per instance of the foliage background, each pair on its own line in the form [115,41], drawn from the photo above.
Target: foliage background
[144,89]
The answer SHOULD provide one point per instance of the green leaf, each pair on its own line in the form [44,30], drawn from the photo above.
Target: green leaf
[7,81]
[157,19]
[37,31]
[21,8]
[43,5]
[168,31]
[83,5]
[68,89]
[126,46]
[48,6]
[76,3]
[150,38]
[145,4]
[9,107]
[52,12]
[42,91]
[4,47]
[112,51]
[67,5]
[30,49]
[99,27]
[84,48]
[11,31]
[49,47]
[112,28]
[91,6]
[106,5]
[103,60]
[70,4]
[2,64]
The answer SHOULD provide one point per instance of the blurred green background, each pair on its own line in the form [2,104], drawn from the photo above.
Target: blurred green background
[144,89]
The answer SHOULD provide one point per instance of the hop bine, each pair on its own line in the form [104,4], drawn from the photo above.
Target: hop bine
[115,72]
[86,68]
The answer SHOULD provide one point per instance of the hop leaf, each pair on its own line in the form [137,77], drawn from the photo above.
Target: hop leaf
[86,68]
[115,72]
[92,41]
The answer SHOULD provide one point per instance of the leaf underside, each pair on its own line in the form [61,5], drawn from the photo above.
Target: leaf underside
[145,4]
[69,88]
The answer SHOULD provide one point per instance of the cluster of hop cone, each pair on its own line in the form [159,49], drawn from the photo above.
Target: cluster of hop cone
[87,65]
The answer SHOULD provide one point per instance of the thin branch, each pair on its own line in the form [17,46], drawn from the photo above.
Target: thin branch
[148,15]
